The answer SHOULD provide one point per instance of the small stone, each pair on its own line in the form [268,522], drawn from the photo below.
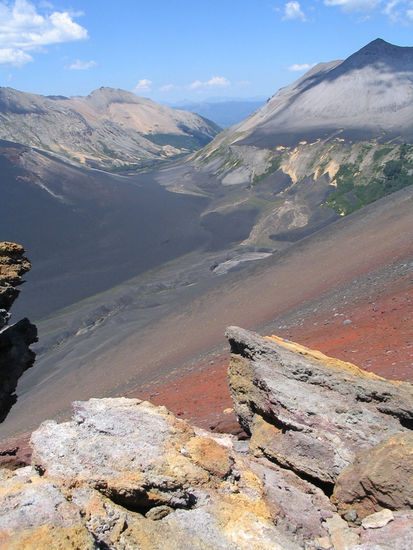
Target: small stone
[378,519]
[351,516]
[347,322]
[158,513]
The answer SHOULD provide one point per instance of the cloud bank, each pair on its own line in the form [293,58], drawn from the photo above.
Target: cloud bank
[23,29]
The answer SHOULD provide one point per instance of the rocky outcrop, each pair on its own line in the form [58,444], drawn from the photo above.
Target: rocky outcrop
[15,354]
[367,485]
[124,473]
[142,478]
[13,265]
[308,412]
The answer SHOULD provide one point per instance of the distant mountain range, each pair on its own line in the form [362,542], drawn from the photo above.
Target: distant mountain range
[107,129]
[223,112]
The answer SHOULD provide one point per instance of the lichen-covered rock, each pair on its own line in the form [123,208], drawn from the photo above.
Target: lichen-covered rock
[129,450]
[144,479]
[15,354]
[298,507]
[35,514]
[125,474]
[381,477]
[308,412]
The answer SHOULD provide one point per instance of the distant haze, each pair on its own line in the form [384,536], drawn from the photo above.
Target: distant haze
[225,112]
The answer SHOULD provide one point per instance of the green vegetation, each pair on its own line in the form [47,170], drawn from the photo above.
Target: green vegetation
[274,165]
[380,153]
[349,197]
[365,148]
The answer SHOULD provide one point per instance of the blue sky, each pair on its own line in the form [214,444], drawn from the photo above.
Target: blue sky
[180,49]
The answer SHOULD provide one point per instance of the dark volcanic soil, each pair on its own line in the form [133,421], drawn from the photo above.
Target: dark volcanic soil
[357,265]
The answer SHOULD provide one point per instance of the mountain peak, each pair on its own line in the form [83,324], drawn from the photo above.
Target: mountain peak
[380,51]
[380,47]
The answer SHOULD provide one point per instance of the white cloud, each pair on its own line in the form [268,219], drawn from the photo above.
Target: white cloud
[354,5]
[389,7]
[10,56]
[79,65]
[23,29]
[292,10]
[166,87]
[215,81]
[144,85]
[395,12]
[398,11]
[302,67]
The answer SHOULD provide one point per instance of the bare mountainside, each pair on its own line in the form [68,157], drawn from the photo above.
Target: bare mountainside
[109,128]
[345,129]
[368,95]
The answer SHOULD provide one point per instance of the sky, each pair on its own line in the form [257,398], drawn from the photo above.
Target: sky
[185,50]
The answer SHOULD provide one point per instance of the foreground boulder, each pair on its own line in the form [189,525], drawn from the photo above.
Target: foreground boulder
[15,354]
[126,474]
[308,412]
[144,479]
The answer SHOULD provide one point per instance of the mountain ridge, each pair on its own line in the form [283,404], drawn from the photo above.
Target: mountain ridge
[110,128]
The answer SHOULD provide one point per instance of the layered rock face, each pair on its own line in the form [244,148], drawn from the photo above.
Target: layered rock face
[124,473]
[309,412]
[15,355]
